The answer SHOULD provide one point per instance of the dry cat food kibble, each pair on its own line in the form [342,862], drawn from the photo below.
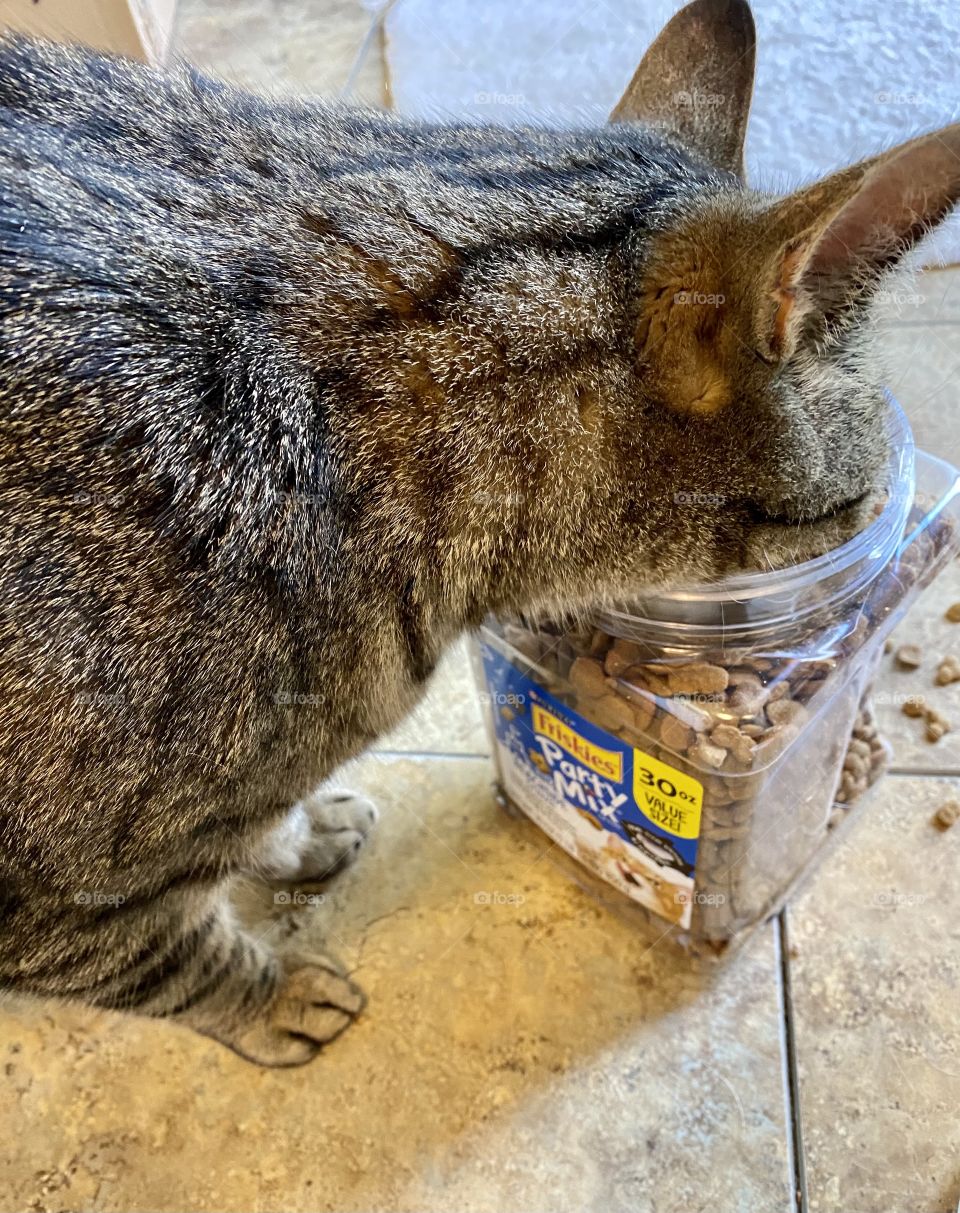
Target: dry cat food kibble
[694,752]
[948,671]
[937,724]
[947,815]
[953,612]
[909,656]
[706,729]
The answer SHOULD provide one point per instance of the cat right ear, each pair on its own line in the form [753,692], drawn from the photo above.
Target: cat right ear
[838,237]
[696,81]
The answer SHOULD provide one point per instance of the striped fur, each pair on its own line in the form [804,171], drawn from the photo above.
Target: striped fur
[291,395]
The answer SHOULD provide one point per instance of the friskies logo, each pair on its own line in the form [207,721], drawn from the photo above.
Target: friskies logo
[608,763]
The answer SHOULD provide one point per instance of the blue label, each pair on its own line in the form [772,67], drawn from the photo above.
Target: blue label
[627,816]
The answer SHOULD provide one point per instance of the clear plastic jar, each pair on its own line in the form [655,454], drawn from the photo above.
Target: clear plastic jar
[692,754]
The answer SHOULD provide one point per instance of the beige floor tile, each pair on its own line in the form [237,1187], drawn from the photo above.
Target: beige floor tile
[521,1052]
[925,626]
[876,986]
[303,46]
[448,720]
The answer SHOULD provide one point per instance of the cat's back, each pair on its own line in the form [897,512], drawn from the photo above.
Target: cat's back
[155,225]
[101,140]
[59,104]
[153,249]
[110,170]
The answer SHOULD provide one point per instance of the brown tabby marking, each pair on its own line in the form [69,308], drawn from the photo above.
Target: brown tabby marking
[293,394]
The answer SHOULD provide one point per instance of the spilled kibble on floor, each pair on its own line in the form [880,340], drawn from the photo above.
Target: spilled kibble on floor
[947,815]
[948,671]
[937,724]
[908,656]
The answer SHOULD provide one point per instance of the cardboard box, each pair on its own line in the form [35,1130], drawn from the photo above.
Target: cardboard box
[138,28]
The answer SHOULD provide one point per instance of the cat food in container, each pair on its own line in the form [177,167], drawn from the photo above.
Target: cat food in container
[690,755]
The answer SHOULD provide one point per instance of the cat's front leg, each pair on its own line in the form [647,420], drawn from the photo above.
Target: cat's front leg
[311,1004]
[273,1009]
[320,836]
[184,957]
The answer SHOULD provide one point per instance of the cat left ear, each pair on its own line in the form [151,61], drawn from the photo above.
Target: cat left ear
[839,236]
[696,81]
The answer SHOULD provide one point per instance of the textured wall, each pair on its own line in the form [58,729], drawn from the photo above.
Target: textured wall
[834,82]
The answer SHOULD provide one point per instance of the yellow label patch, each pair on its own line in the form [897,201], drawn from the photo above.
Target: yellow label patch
[671,799]
[607,763]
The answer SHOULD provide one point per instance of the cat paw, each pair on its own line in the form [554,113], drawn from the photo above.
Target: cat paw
[323,835]
[313,1006]
[340,822]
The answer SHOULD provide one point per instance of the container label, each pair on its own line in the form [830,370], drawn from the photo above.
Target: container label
[631,819]
[669,798]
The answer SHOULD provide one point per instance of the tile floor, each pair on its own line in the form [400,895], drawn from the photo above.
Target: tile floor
[526,1055]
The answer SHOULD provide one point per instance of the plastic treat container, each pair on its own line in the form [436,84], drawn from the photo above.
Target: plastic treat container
[691,755]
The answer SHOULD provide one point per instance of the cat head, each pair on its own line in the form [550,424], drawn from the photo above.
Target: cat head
[756,313]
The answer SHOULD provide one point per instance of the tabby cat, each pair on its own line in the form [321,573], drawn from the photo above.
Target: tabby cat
[294,394]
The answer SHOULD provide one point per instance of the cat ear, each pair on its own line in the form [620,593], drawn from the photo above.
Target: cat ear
[696,80]
[844,232]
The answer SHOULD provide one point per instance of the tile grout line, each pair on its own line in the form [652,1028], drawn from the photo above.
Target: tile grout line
[798,1170]
[421,754]
[928,773]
